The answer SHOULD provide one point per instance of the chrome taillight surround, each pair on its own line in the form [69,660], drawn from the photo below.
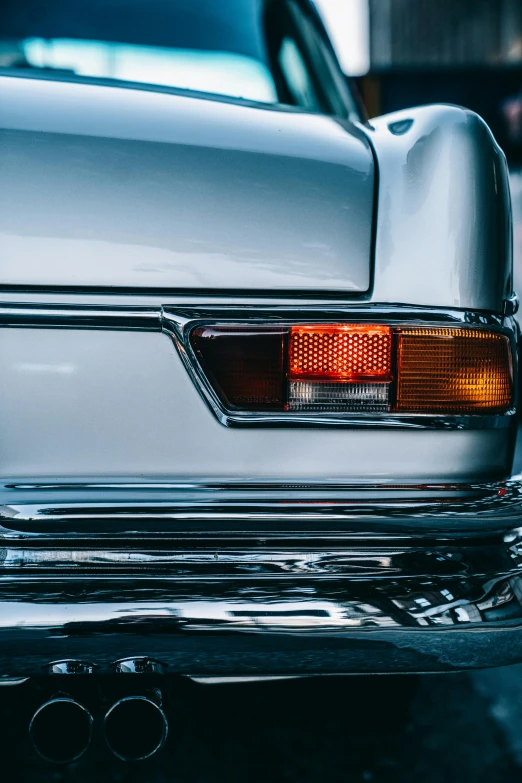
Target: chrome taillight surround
[181,323]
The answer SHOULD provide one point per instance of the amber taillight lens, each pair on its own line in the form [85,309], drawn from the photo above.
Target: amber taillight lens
[446,370]
[365,368]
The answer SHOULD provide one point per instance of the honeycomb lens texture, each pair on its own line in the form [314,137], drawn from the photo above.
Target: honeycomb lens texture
[347,352]
[455,371]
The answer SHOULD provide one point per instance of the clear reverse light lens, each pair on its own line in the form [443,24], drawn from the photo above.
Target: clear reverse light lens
[338,397]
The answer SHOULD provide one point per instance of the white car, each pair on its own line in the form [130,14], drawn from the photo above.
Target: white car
[258,365]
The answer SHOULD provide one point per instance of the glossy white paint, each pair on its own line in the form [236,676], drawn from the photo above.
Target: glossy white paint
[110,404]
[104,186]
[444,234]
[125,188]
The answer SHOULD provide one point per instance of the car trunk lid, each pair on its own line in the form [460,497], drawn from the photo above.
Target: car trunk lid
[106,187]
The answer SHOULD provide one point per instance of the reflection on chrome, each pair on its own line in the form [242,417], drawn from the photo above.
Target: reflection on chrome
[214,581]
[61,730]
[70,666]
[268,605]
[273,625]
[135,727]
[140,665]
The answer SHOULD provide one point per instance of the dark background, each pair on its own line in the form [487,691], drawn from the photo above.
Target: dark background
[457,727]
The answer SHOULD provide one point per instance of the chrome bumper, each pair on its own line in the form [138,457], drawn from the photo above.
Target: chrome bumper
[222,581]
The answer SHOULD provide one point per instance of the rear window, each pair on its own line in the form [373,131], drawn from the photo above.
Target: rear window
[249,49]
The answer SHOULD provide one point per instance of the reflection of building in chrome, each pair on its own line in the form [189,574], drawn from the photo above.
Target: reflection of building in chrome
[501,600]
[390,606]
[292,615]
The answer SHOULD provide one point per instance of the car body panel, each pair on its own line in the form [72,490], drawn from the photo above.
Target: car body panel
[93,403]
[444,234]
[182,222]
[179,192]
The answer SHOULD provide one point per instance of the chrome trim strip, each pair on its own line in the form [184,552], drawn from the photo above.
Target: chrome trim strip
[81,317]
[238,516]
[43,310]
[177,320]
[216,558]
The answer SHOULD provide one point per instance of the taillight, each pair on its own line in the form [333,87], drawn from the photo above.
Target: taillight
[448,370]
[362,368]
[245,366]
[339,368]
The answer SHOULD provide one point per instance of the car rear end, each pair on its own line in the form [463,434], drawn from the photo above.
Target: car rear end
[259,385]
[311,478]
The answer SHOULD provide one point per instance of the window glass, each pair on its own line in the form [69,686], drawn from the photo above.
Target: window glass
[223,73]
[337,96]
[296,75]
[248,49]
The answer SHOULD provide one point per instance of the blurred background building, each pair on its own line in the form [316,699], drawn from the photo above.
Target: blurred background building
[467,52]
[451,33]
[404,53]
[409,52]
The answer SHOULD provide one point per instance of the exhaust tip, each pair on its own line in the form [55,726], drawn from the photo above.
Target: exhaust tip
[135,728]
[61,730]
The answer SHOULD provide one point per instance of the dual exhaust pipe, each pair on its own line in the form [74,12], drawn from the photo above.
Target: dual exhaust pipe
[134,728]
[61,730]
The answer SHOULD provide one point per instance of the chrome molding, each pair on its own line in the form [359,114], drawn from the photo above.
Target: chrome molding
[183,314]
[348,557]
[89,311]
[180,322]
[80,317]
[189,516]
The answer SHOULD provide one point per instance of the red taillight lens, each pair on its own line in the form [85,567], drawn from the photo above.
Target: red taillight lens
[344,353]
[366,368]
[244,366]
